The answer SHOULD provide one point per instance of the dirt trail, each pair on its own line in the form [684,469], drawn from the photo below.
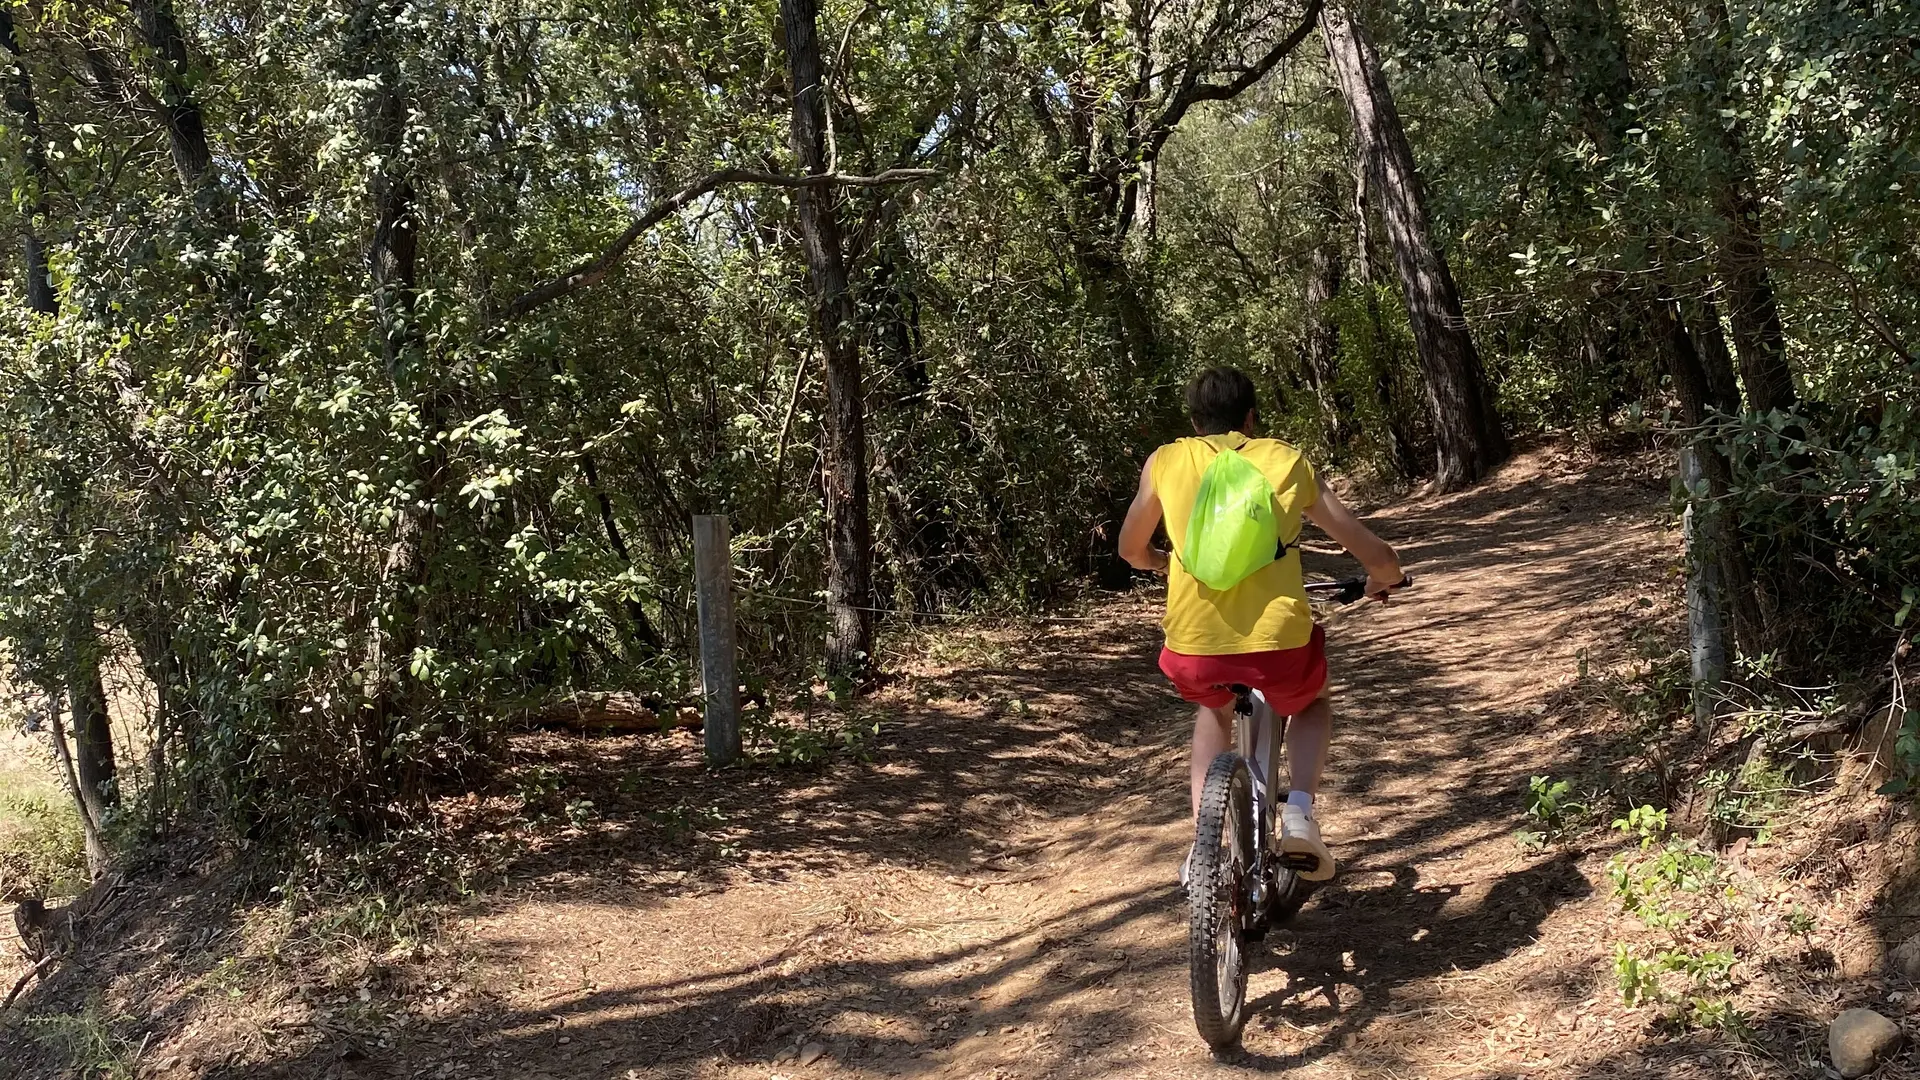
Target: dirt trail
[992,895]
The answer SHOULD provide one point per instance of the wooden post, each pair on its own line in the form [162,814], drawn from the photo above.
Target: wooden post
[1706,630]
[719,673]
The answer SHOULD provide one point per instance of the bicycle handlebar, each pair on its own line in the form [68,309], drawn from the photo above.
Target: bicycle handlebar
[1352,590]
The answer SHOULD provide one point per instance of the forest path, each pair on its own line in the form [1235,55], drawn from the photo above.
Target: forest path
[992,894]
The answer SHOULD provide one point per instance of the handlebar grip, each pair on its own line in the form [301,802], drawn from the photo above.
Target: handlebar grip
[1356,589]
[1353,590]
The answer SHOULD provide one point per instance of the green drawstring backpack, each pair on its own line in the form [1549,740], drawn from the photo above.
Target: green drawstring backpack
[1232,531]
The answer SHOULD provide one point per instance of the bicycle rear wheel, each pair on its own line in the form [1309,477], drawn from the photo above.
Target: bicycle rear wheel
[1218,901]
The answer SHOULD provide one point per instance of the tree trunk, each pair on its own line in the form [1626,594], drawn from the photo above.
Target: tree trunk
[915,522]
[1321,358]
[849,534]
[643,630]
[1741,260]
[21,100]
[1469,439]
[1703,318]
[1386,361]
[1718,539]
[96,776]
[393,269]
[98,857]
[92,729]
[1758,338]
[179,109]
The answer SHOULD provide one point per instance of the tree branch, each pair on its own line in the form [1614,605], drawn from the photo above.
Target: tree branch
[1194,93]
[595,270]
[37,971]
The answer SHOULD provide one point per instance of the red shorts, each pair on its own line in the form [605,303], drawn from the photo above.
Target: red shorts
[1290,678]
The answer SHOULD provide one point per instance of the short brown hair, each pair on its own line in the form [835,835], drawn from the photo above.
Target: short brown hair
[1219,399]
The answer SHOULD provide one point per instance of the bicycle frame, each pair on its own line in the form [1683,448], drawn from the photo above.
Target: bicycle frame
[1241,885]
[1259,734]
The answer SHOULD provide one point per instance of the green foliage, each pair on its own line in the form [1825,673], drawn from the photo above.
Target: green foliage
[1646,824]
[85,1038]
[42,849]
[1692,990]
[1550,809]
[686,820]
[1646,879]
[817,738]
[1831,497]
[1746,800]
[1906,757]
[349,528]
[1800,921]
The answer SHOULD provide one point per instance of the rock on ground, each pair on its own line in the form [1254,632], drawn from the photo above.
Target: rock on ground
[1906,958]
[1860,1039]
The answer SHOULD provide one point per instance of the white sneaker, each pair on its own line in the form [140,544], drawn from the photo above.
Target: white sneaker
[1300,835]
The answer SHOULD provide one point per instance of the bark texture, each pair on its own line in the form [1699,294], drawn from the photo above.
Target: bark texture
[180,112]
[1469,440]
[1321,357]
[1759,340]
[21,101]
[849,532]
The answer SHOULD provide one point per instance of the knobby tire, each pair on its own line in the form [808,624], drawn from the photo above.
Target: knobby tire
[1222,860]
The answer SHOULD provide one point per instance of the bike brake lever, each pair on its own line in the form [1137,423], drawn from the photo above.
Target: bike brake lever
[1356,590]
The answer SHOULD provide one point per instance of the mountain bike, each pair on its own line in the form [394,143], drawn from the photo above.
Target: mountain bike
[1239,885]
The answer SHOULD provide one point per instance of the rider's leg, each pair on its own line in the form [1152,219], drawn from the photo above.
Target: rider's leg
[1308,733]
[1212,733]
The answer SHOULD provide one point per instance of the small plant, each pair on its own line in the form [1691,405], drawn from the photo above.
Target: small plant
[685,820]
[580,812]
[1746,801]
[1646,878]
[840,689]
[1645,823]
[812,742]
[1906,757]
[87,1040]
[1550,810]
[1800,922]
[1718,1014]
[1639,980]
[1702,999]
[537,784]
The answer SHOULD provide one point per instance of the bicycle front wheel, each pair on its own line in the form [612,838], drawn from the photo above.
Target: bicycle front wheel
[1219,901]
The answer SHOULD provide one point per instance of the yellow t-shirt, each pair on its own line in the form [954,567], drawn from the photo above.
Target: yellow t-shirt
[1266,611]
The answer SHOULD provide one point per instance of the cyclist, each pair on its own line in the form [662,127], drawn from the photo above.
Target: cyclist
[1259,633]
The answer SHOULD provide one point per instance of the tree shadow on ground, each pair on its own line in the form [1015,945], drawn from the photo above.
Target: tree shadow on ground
[963,757]
[960,1025]
[964,785]
[1338,983]
[954,779]
[166,924]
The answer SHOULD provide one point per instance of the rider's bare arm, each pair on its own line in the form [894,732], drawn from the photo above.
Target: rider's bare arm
[1136,534]
[1333,517]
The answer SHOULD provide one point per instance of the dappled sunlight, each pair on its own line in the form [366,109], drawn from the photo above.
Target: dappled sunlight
[987,887]
[990,892]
